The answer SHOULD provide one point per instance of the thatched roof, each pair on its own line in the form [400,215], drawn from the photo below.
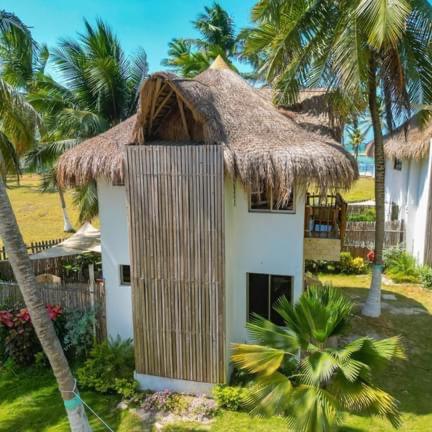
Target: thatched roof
[408,141]
[219,107]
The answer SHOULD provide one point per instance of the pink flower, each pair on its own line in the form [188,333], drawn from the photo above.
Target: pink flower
[6,318]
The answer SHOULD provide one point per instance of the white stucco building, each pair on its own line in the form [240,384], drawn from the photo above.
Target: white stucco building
[205,219]
[408,190]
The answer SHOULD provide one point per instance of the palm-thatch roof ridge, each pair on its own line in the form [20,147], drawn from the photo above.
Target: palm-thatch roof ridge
[260,144]
[411,140]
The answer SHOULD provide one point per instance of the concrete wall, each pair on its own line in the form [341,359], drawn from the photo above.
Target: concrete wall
[257,242]
[115,252]
[408,189]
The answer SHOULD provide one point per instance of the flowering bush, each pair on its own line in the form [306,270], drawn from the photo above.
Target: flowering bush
[19,338]
[371,256]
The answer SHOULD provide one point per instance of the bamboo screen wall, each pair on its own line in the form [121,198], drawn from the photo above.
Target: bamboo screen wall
[176,216]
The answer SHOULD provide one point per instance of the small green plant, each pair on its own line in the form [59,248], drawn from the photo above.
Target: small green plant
[350,265]
[78,336]
[367,215]
[231,398]
[166,401]
[109,362]
[400,266]
[426,277]
[126,387]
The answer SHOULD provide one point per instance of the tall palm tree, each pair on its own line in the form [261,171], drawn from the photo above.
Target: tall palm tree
[100,90]
[18,114]
[372,47]
[299,373]
[189,57]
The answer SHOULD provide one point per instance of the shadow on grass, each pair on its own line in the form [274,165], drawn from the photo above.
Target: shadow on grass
[410,380]
[30,401]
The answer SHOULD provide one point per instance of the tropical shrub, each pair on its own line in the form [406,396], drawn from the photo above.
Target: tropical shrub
[300,375]
[367,215]
[166,401]
[78,335]
[109,366]
[20,341]
[400,266]
[426,277]
[347,265]
[231,398]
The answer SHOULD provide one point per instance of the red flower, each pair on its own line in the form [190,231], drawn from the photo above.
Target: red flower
[371,256]
[6,318]
[54,311]
[23,315]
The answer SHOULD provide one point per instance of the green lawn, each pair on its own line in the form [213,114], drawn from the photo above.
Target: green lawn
[362,190]
[39,215]
[29,400]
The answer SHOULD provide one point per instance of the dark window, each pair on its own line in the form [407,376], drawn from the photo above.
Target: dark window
[125,275]
[397,164]
[262,199]
[264,290]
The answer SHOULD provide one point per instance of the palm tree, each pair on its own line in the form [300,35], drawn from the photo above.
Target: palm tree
[100,90]
[189,57]
[18,113]
[301,375]
[369,47]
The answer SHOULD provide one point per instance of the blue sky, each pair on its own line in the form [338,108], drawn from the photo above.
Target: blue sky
[147,23]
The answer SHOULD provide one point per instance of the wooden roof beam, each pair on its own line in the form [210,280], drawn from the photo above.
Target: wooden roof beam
[183,117]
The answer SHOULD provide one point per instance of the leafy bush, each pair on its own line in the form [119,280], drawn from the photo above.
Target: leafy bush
[231,398]
[400,266]
[109,366]
[78,336]
[18,336]
[166,401]
[367,215]
[426,276]
[125,387]
[347,265]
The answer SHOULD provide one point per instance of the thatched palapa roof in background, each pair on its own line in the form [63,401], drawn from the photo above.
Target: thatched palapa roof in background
[409,141]
[219,107]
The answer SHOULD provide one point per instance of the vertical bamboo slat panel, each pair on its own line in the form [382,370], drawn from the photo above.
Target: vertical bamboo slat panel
[176,217]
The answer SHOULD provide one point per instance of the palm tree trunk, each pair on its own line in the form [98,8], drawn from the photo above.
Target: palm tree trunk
[372,307]
[43,326]
[67,225]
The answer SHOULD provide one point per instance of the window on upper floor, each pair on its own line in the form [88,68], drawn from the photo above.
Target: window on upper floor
[125,275]
[263,290]
[397,164]
[262,199]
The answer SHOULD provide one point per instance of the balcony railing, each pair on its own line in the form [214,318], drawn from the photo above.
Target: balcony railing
[325,217]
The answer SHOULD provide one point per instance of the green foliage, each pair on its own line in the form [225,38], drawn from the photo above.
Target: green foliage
[231,398]
[109,361]
[346,265]
[400,266]
[166,401]
[78,332]
[426,277]
[40,360]
[125,387]
[368,215]
[300,375]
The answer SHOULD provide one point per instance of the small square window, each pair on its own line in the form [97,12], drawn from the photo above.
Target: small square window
[125,275]
[263,199]
[263,292]
[397,164]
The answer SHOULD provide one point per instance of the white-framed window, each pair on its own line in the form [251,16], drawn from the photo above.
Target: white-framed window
[262,199]
[397,164]
[125,274]
[263,290]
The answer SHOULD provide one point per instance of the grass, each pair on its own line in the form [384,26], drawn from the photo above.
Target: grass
[39,215]
[29,401]
[362,190]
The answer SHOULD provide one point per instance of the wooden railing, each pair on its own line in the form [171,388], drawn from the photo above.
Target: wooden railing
[33,247]
[325,217]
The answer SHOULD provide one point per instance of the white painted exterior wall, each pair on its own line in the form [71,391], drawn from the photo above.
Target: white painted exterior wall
[408,189]
[258,242]
[115,252]
[255,242]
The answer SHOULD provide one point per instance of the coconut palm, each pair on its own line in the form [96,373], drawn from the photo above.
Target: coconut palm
[302,375]
[372,47]
[100,90]
[19,115]
[189,57]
